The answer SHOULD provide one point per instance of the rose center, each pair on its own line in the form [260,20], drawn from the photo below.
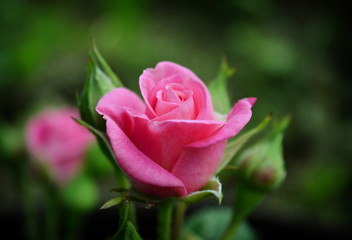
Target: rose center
[170,97]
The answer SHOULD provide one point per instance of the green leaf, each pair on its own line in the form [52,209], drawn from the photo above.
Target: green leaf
[212,189]
[235,145]
[210,223]
[100,80]
[112,202]
[218,89]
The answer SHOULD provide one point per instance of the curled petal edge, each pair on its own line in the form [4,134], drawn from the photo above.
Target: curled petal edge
[238,117]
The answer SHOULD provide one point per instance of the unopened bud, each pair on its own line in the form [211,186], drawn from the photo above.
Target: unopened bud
[262,165]
[100,80]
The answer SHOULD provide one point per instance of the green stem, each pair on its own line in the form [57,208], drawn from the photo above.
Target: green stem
[179,217]
[126,228]
[165,218]
[132,214]
[231,229]
[123,219]
[51,212]
[246,200]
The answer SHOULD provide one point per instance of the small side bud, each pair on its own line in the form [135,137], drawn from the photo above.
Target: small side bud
[262,165]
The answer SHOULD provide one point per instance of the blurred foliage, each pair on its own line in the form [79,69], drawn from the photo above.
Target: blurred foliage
[210,223]
[292,55]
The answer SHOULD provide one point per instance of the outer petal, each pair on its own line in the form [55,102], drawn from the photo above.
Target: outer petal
[200,159]
[166,69]
[147,176]
[164,141]
[111,103]
[196,165]
[239,116]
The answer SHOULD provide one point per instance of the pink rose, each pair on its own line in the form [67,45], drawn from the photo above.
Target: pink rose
[171,145]
[58,142]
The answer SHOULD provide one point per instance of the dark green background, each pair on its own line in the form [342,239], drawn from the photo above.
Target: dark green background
[294,56]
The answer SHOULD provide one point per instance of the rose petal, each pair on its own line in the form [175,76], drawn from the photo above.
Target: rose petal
[184,111]
[238,117]
[147,176]
[163,107]
[112,104]
[166,69]
[173,95]
[163,141]
[196,165]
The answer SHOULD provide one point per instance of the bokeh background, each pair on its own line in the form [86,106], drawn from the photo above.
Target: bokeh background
[294,56]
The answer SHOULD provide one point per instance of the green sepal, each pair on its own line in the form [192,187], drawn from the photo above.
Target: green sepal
[212,189]
[235,145]
[130,195]
[218,88]
[100,80]
[119,190]
[112,202]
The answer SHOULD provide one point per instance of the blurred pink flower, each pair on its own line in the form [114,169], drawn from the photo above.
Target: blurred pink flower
[170,144]
[55,140]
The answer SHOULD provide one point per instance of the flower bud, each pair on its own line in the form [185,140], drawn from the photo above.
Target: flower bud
[262,165]
[57,143]
[100,80]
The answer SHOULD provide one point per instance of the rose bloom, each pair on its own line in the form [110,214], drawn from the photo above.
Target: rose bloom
[170,144]
[57,142]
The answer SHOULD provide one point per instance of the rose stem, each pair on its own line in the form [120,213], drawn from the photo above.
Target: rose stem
[246,200]
[179,217]
[164,218]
